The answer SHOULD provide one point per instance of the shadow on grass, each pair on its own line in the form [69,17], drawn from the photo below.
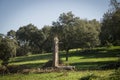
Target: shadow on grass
[90,53]
[95,53]
[33,65]
[20,68]
[98,53]
[32,58]
[86,54]
[97,65]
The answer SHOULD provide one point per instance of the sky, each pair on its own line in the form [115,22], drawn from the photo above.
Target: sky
[18,13]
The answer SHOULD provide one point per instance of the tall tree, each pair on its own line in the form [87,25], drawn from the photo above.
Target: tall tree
[24,36]
[110,25]
[31,37]
[75,32]
[37,40]
[62,28]
[47,43]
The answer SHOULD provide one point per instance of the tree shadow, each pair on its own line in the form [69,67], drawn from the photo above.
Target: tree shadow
[32,58]
[101,65]
[95,53]
[85,54]
[20,68]
[33,65]
[98,53]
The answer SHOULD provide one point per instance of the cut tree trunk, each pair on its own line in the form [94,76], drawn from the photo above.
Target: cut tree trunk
[55,52]
[56,56]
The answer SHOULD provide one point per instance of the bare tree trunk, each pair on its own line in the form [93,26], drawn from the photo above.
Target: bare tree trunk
[67,51]
[55,52]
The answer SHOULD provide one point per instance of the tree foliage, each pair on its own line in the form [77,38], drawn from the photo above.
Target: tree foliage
[72,32]
[110,25]
[7,49]
[75,32]
[30,38]
[11,34]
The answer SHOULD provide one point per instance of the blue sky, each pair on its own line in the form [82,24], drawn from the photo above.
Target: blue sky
[16,13]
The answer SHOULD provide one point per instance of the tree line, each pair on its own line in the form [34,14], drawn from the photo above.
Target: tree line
[72,31]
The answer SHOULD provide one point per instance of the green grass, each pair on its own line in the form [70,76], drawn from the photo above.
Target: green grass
[87,62]
[32,61]
[93,59]
[65,75]
[81,59]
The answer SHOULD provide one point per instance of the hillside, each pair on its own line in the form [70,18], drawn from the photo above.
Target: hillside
[93,62]
[82,59]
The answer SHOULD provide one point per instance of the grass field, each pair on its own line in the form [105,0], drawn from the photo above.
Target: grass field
[65,75]
[88,63]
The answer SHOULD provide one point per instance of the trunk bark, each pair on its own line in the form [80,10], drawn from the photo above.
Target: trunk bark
[67,51]
[55,52]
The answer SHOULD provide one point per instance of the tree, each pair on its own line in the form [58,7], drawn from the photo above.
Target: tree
[11,34]
[31,37]
[47,43]
[114,4]
[74,32]
[37,41]
[110,25]
[24,33]
[1,37]
[116,27]
[7,47]
[62,27]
